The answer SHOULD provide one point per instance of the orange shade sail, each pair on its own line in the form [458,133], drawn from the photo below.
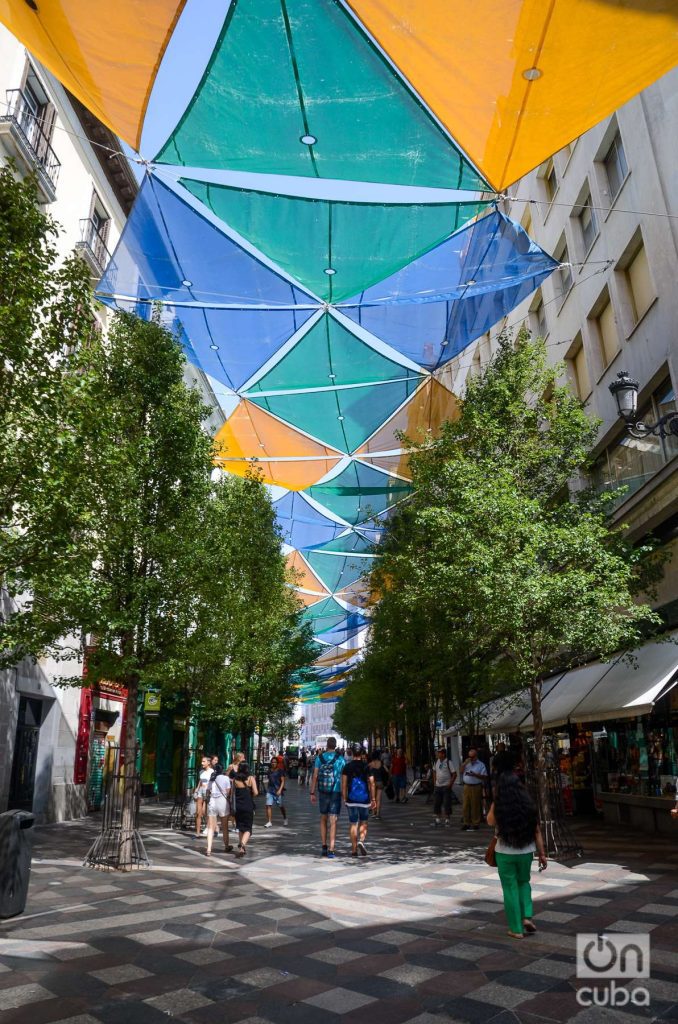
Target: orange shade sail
[106,52]
[514,81]
[253,439]
[305,577]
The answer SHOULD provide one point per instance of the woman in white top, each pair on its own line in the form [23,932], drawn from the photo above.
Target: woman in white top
[201,791]
[218,806]
[514,817]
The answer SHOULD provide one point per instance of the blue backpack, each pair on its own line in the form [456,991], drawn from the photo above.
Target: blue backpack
[326,774]
[358,792]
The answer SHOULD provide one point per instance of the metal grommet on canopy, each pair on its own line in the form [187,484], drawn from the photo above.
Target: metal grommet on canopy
[308,140]
[532,74]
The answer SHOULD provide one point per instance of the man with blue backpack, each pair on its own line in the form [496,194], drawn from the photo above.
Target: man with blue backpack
[359,794]
[326,782]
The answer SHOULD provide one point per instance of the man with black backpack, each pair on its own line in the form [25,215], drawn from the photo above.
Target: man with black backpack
[326,782]
[359,795]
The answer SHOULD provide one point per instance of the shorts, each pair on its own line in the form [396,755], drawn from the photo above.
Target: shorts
[329,803]
[400,781]
[360,813]
[218,807]
[273,800]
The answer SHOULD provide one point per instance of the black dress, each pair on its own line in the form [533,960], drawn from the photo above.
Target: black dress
[244,806]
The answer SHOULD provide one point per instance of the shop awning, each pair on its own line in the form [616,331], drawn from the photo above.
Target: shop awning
[598,691]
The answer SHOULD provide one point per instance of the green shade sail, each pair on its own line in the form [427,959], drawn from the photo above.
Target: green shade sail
[341,417]
[296,87]
[330,354]
[359,493]
[335,248]
[348,543]
[338,571]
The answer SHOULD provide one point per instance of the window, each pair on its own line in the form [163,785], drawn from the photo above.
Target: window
[616,167]
[550,181]
[587,222]
[607,331]
[564,272]
[526,221]
[632,461]
[640,287]
[580,371]
[539,323]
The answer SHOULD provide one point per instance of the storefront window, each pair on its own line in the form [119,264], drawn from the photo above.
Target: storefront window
[637,757]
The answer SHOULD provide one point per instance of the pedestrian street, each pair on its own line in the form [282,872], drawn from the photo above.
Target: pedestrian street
[412,934]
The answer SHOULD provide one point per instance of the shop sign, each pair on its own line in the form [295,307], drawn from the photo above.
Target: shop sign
[152,702]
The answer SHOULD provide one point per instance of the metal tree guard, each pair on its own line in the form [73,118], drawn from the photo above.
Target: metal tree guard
[559,839]
[119,845]
[178,817]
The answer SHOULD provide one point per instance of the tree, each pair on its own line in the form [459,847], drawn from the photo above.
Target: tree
[47,327]
[520,571]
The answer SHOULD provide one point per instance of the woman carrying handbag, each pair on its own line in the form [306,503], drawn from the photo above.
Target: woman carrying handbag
[218,807]
[518,836]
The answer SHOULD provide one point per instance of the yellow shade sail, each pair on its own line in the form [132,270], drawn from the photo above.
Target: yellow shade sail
[106,52]
[253,439]
[514,81]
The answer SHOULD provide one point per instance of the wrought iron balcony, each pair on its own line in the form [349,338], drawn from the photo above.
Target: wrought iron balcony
[25,136]
[92,247]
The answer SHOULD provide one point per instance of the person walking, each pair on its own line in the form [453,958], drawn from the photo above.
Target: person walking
[218,807]
[399,776]
[514,817]
[303,767]
[275,793]
[200,793]
[380,775]
[326,782]
[444,777]
[473,776]
[244,791]
[359,794]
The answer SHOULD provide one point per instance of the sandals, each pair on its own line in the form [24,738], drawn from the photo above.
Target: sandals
[516,935]
[228,849]
[529,926]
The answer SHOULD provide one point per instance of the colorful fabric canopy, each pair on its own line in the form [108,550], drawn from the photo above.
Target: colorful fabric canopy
[318,225]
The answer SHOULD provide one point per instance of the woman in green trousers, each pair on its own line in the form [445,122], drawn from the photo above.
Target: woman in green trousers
[514,817]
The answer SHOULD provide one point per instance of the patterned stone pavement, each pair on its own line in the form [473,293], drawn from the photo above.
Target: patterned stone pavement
[413,934]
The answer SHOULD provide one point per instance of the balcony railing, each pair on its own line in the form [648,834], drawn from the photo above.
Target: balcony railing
[34,143]
[93,246]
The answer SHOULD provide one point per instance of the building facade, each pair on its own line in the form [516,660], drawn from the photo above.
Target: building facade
[606,207]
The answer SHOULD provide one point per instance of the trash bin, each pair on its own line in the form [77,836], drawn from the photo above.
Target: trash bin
[15,860]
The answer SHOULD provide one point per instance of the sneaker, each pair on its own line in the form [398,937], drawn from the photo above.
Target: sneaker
[269,824]
[447,822]
[330,854]
[324,852]
[285,822]
[354,853]
[361,848]
[437,823]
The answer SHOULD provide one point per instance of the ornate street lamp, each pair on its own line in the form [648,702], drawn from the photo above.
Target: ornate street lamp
[625,391]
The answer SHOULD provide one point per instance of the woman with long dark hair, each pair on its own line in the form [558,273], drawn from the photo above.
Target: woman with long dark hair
[514,817]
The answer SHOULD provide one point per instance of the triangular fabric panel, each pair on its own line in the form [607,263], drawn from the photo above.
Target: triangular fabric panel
[295,87]
[341,417]
[334,248]
[305,578]
[106,53]
[329,354]
[302,525]
[423,415]
[433,308]
[337,571]
[169,253]
[251,439]
[349,543]
[358,493]
[515,81]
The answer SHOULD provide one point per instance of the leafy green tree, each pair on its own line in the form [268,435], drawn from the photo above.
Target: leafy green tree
[511,567]
[47,328]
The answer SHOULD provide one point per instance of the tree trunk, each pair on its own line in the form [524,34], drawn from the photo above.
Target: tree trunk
[129,779]
[260,745]
[539,752]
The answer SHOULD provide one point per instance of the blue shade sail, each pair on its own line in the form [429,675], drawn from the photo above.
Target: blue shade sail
[349,543]
[358,493]
[230,309]
[437,305]
[301,524]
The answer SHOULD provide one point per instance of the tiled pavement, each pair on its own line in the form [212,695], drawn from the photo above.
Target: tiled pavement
[414,934]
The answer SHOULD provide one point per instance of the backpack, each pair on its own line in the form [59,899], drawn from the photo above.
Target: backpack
[326,774]
[358,791]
